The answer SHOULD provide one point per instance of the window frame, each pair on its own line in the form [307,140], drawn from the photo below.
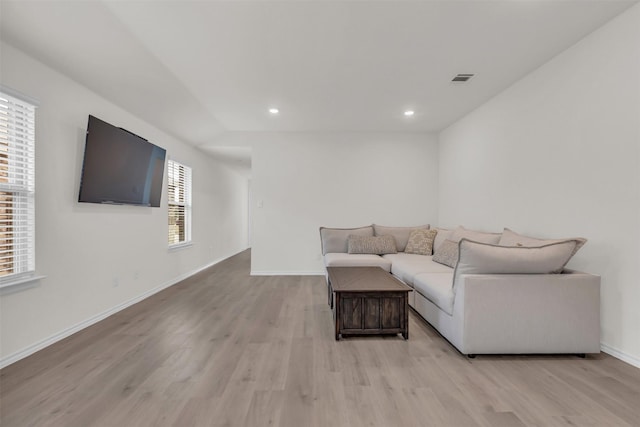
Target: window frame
[17,143]
[184,185]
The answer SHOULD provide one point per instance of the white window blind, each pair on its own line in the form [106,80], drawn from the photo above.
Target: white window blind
[17,188]
[179,203]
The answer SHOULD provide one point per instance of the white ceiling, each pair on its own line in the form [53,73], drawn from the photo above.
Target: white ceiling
[237,158]
[197,69]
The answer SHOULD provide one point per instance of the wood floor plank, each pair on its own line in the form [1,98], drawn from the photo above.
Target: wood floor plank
[223,348]
[299,388]
[265,408]
[196,412]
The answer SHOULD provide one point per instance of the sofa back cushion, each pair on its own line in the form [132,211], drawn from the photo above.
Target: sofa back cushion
[334,240]
[482,258]
[443,234]
[477,236]
[376,245]
[401,234]
[511,238]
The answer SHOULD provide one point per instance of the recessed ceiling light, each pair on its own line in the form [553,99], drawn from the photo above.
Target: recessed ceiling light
[274,110]
[409,113]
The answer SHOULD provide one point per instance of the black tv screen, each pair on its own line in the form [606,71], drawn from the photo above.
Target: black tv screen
[120,167]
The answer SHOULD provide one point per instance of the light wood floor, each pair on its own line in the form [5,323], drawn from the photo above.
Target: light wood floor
[226,349]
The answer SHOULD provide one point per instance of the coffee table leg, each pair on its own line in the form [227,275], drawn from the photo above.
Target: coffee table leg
[405,334]
[336,311]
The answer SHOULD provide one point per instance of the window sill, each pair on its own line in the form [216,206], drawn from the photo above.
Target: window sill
[20,281]
[180,246]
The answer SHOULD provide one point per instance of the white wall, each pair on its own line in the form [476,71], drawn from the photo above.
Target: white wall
[308,180]
[337,180]
[557,154]
[82,248]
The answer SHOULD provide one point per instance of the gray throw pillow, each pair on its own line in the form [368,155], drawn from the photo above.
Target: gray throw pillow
[378,245]
[421,242]
[447,253]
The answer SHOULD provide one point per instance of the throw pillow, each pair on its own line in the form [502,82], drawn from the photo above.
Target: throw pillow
[378,245]
[401,234]
[421,242]
[482,258]
[447,254]
[511,238]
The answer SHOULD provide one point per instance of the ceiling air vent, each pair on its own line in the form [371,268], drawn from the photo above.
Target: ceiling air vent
[462,78]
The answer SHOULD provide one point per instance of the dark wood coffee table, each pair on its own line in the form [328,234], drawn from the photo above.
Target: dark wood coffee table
[368,301]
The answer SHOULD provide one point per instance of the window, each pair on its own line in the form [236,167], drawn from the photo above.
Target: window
[179,203]
[17,189]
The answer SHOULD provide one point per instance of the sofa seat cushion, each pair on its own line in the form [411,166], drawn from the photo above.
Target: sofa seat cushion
[356,260]
[406,266]
[437,288]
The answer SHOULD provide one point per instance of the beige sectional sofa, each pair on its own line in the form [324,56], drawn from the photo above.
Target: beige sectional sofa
[503,293]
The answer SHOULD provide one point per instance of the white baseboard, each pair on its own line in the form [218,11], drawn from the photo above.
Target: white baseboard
[21,354]
[286,273]
[618,354]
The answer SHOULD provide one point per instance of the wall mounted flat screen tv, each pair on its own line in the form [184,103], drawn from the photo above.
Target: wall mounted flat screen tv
[120,167]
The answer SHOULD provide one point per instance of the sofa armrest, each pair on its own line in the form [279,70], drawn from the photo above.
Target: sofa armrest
[529,313]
